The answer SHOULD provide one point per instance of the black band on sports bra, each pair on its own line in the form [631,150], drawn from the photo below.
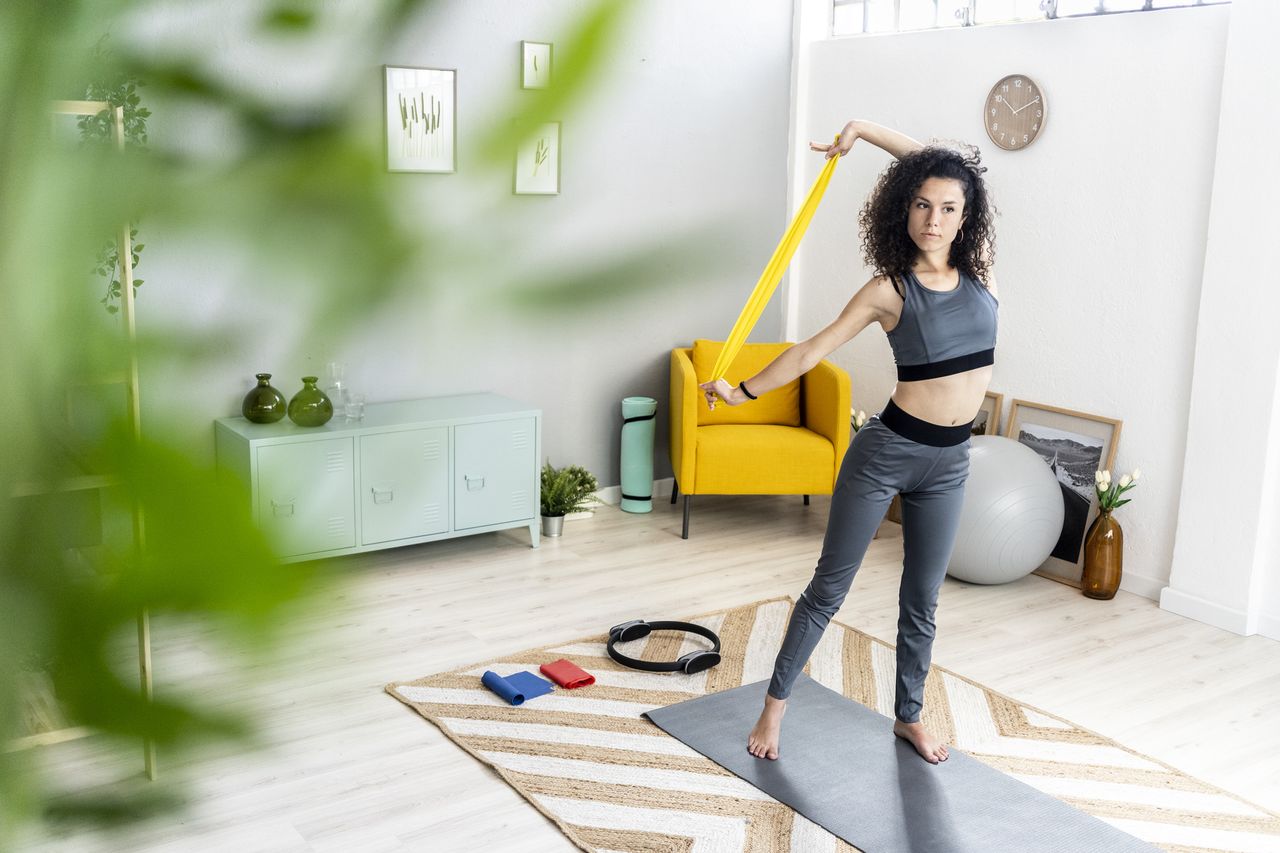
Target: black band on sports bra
[946,367]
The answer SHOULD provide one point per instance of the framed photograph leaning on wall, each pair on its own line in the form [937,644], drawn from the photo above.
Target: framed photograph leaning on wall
[1074,445]
[988,420]
[421,118]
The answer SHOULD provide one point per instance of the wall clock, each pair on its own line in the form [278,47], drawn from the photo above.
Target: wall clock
[1015,112]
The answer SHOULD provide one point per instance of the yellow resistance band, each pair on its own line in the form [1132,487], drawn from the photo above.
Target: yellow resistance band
[773,272]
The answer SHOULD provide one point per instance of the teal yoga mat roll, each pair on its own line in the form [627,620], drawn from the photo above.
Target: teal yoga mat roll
[638,415]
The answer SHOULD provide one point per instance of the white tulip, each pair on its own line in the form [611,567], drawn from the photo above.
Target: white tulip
[1136,473]
[1097,476]
[1124,481]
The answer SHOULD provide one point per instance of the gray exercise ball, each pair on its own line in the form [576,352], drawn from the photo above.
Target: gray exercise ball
[1012,514]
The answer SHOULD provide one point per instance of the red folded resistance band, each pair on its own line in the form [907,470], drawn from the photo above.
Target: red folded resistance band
[567,674]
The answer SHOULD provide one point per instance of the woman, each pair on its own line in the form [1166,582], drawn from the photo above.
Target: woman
[927,233]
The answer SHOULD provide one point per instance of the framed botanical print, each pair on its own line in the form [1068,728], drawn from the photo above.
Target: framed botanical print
[538,162]
[535,64]
[1074,445]
[421,118]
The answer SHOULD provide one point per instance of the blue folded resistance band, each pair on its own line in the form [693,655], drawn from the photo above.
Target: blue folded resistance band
[517,687]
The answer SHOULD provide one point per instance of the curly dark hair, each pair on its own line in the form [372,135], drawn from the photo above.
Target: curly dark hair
[882,223]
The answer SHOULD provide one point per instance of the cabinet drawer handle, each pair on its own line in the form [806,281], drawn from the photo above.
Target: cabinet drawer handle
[278,508]
[382,496]
[474,484]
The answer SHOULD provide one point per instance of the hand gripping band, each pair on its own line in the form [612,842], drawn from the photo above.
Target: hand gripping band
[689,663]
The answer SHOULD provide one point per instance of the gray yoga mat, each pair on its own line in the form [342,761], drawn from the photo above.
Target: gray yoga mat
[840,766]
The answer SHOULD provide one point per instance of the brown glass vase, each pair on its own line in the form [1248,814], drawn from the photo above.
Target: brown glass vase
[1103,558]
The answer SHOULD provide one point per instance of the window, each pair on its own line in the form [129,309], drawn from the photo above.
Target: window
[855,17]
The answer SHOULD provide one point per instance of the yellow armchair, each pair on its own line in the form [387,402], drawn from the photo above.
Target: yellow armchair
[789,442]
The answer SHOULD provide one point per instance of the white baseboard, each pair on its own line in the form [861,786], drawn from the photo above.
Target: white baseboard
[1203,610]
[612,495]
[1147,587]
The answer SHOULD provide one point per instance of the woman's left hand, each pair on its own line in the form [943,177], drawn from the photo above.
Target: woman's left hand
[842,146]
[719,388]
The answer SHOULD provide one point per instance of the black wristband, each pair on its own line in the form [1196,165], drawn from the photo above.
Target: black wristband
[743,386]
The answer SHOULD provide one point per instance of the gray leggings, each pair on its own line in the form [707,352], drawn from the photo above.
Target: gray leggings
[879,464]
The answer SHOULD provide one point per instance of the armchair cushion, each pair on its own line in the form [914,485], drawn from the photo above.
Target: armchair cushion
[763,459]
[780,406]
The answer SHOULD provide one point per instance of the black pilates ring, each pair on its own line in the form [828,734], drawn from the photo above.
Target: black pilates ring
[636,629]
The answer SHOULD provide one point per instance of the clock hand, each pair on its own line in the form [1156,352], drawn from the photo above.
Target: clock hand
[1027,104]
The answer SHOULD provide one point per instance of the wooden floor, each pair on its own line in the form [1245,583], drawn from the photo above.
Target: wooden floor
[341,766]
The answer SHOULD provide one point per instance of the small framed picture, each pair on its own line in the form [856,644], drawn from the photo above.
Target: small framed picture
[1074,445]
[988,420]
[535,64]
[421,118]
[538,162]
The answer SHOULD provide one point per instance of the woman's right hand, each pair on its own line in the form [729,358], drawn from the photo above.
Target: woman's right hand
[842,146]
[722,390]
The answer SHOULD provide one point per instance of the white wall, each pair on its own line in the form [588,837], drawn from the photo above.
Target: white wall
[688,125]
[1225,555]
[1267,565]
[1101,238]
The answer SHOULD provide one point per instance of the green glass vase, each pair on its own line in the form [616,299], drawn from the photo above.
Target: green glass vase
[310,407]
[263,404]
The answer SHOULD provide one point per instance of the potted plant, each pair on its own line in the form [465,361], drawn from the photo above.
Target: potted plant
[565,490]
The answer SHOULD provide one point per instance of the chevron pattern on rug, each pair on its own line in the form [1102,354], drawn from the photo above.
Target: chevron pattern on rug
[613,781]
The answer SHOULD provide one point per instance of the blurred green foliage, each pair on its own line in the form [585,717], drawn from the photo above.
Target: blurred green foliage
[118,91]
[302,193]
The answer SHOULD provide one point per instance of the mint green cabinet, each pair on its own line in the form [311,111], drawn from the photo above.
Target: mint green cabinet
[304,503]
[494,481]
[404,484]
[409,472]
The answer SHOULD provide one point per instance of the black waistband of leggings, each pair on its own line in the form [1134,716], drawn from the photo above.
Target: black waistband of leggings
[923,432]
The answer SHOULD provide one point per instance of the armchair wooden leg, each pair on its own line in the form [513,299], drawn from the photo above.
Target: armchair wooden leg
[806,500]
[685,534]
[675,490]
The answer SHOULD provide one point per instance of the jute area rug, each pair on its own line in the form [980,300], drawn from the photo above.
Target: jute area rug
[613,781]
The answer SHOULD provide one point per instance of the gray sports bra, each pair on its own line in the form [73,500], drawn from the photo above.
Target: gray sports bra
[943,332]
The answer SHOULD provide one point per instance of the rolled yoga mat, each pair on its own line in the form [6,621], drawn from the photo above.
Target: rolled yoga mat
[840,765]
[638,415]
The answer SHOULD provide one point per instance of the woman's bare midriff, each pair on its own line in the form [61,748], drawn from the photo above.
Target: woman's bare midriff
[945,400]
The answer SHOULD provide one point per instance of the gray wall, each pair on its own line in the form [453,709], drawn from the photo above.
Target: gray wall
[687,127]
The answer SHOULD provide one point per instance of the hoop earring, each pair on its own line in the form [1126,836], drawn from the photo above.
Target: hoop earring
[959,236]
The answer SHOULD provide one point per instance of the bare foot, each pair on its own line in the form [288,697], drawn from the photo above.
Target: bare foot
[929,747]
[763,740]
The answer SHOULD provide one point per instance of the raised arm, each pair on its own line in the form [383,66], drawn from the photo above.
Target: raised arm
[878,135]
[866,307]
